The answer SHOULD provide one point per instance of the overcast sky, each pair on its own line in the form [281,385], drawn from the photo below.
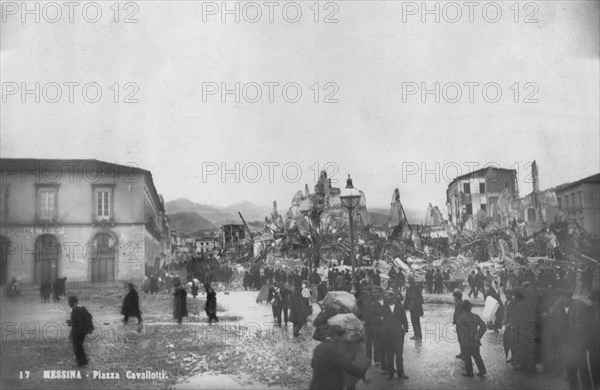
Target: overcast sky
[372,132]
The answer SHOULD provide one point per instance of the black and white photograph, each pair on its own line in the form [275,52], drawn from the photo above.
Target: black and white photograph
[302,194]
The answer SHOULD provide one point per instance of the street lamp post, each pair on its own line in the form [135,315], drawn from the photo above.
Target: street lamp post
[350,198]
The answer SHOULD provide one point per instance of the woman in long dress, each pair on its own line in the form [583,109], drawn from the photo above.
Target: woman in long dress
[211,305]
[131,306]
[180,301]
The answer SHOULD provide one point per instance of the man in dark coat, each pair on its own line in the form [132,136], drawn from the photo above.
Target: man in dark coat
[329,364]
[276,301]
[394,326]
[577,340]
[392,274]
[59,289]
[401,279]
[479,281]
[179,302]
[45,290]
[414,303]
[471,329]
[210,307]
[340,283]
[377,278]
[429,280]
[508,337]
[458,311]
[471,280]
[153,284]
[298,311]
[438,282]
[304,273]
[131,306]
[246,280]
[373,319]
[526,327]
[315,278]
[81,325]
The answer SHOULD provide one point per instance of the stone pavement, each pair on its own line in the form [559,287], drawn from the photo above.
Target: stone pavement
[220,382]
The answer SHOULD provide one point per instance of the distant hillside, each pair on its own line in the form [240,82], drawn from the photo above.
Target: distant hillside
[379,216]
[189,222]
[220,215]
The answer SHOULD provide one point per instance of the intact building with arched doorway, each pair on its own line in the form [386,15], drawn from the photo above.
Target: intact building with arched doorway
[87,220]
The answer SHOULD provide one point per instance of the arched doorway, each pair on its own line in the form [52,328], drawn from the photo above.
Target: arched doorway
[4,247]
[47,256]
[103,258]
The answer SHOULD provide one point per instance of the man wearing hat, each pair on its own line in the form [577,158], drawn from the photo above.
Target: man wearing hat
[414,303]
[458,311]
[555,324]
[394,326]
[276,300]
[470,330]
[577,339]
[373,319]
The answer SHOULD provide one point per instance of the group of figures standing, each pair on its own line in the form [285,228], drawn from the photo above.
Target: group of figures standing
[541,321]
[295,300]
[81,320]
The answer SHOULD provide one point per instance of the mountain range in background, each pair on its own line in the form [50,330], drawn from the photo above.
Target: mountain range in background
[189,221]
[188,216]
[214,215]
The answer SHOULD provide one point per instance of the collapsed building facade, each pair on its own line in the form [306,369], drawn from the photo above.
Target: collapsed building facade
[485,223]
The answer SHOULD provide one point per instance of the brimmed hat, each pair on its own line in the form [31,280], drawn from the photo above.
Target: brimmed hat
[457,294]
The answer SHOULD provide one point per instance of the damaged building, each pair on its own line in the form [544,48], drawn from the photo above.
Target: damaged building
[479,190]
[580,202]
[326,198]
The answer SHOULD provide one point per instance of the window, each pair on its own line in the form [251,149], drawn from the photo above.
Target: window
[567,201]
[469,208]
[505,185]
[467,188]
[579,199]
[559,202]
[482,188]
[47,203]
[103,203]
[573,200]
[484,207]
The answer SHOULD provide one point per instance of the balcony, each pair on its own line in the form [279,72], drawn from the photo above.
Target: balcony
[102,221]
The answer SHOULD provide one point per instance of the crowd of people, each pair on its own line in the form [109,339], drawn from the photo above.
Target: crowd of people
[256,277]
[542,323]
